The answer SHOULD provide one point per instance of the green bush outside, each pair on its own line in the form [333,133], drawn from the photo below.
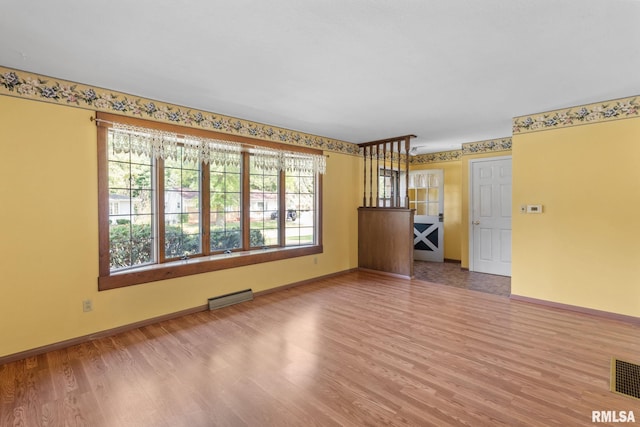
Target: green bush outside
[132,244]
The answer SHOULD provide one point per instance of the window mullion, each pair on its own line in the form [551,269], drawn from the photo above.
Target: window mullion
[205,208]
[246,202]
[160,221]
[282,206]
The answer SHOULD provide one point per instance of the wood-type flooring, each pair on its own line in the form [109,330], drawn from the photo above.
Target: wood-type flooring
[450,273]
[359,349]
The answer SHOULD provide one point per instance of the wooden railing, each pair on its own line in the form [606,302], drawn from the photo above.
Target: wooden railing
[391,156]
[385,222]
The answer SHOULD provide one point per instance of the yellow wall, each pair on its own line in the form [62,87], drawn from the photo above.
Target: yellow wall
[49,229]
[584,249]
[452,205]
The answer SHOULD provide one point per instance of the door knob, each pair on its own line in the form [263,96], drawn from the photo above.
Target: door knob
[476,222]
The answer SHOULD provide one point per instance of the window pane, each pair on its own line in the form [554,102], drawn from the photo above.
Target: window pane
[300,236]
[432,209]
[131,241]
[232,202]
[140,176]
[191,202]
[226,226]
[190,179]
[300,202]
[263,206]
[222,239]
[307,184]
[119,173]
[142,201]
[182,212]
[180,240]
[233,183]
[224,168]
[142,242]
[292,184]
[170,162]
[131,200]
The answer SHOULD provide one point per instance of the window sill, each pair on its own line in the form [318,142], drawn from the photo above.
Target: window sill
[171,270]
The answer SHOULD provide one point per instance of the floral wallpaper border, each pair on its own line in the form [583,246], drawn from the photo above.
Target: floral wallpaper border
[616,109]
[487,146]
[469,148]
[443,156]
[32,86]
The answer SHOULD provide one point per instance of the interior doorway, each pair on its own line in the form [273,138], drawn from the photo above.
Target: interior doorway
[426,196]
[490,215]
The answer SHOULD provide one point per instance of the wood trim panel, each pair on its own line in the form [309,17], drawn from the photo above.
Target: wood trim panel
[319,211]
[386,140]
[198,265]
[103,203]
[385,273]
[385,240]
[584,310]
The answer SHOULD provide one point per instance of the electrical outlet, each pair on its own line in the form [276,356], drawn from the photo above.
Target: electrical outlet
[315,259]
[87,305]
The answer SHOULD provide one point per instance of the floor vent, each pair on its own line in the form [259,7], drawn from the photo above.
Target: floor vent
[625,378]
[230,299]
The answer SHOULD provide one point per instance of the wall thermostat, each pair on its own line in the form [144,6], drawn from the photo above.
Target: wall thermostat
[534,209]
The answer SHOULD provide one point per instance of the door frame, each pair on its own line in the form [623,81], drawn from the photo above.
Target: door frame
[438,221]
[470,201]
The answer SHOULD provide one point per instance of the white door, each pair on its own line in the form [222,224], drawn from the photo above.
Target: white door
[490,233]
[426,196]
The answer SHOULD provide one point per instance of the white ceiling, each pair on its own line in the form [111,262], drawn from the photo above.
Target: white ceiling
[449,71]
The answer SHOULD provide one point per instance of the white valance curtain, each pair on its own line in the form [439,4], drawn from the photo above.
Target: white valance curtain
[288,161]
[168,145]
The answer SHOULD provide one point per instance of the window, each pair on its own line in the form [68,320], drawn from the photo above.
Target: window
[131,216]
[264,204]
[388,187]
[300,208]
[225,186]
[176,201]
[182,214]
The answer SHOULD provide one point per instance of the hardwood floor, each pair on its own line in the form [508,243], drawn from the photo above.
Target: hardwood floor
[357,349]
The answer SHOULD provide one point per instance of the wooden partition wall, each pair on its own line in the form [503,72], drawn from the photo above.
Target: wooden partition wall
[385,240]
[385,224]
[380,156]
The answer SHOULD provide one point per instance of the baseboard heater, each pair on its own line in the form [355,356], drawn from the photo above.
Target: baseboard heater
[230,299]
